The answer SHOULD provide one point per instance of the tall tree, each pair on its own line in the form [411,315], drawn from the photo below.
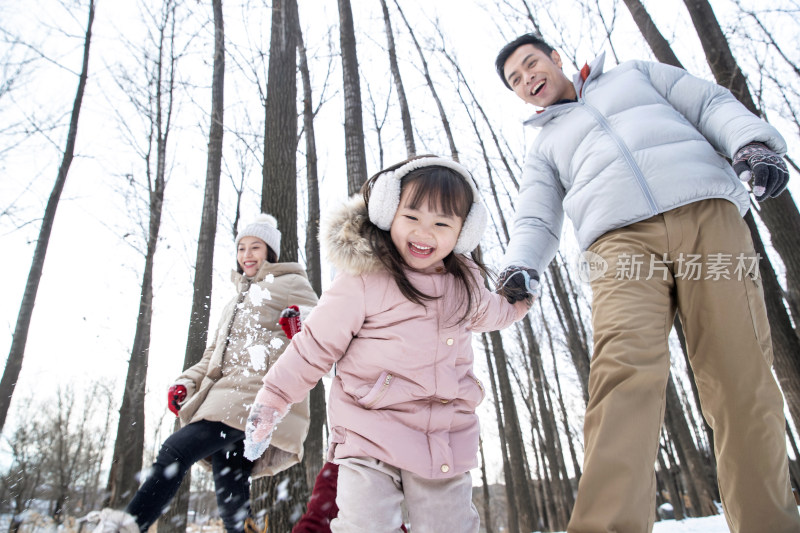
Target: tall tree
[155,104]
[405,115]
[17,351]
[513,435]
[279,198]
[355,153]
[313,446]
[658,44]
[175,520]
[279,185]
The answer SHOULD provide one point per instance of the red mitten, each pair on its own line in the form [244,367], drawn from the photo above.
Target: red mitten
[290,320]
[175,396]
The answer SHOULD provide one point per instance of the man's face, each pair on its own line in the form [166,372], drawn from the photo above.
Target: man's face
[536,77]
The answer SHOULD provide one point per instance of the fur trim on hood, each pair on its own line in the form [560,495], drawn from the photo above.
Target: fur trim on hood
[340,235]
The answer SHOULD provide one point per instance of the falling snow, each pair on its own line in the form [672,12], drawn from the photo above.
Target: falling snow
[171,471]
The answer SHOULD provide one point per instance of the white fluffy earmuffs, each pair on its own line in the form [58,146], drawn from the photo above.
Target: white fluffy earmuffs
[384,200]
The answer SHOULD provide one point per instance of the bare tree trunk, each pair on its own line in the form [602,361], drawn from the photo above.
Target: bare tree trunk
[697,478]
[511,503]
[405,115]
[198,322]
[513,438]
[313,260]
[676,500]
[431,86]
[127,460]
[279,187]
[355,153]
[561,489]
[175,520]
[463,80]
[17,351]
[279,198]
[577,349]
[563,408]
[487,506]
[313,447]
[658,44]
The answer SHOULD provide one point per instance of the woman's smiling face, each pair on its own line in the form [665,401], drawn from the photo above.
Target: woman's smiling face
[251,254]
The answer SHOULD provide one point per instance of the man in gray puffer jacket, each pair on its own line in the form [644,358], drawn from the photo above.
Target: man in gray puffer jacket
[635,156]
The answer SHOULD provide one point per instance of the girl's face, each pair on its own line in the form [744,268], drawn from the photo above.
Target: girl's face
[423,236]
[251,254]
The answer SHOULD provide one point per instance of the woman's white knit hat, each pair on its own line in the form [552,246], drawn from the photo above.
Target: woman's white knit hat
[265,227]
[384,199]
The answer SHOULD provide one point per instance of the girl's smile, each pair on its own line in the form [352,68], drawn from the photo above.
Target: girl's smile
[423,236]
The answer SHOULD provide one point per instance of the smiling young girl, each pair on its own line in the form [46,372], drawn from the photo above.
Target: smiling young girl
[397,321]
[212,398]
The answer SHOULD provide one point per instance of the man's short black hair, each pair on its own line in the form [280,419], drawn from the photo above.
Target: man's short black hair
[528,38]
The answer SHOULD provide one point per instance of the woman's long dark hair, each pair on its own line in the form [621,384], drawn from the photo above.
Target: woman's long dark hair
[446,191]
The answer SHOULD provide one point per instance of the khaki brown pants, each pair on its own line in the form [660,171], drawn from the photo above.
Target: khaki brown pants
[697,260]
[371,492]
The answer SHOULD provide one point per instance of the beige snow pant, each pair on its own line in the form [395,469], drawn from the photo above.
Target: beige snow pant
[370,493]
[730,350]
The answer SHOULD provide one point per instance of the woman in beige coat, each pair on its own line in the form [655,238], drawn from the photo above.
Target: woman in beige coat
[213,397]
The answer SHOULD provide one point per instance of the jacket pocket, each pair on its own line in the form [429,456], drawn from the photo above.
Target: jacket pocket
[378,391]
[472,392]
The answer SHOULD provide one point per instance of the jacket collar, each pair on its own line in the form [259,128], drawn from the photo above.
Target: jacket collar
[340,235]
[266,269]
[581,79]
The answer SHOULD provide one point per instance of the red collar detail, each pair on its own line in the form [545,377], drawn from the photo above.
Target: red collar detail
[585,71]
[584,74]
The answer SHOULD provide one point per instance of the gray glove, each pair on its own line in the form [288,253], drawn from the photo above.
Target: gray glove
[767,169]
[518,283]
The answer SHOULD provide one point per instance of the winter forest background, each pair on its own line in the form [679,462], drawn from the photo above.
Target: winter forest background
[136,136]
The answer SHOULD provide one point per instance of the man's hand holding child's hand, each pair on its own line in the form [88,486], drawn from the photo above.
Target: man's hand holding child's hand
[518,283]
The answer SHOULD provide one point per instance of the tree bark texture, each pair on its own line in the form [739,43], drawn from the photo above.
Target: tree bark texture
[279,186]
[697,479]
[279,198]
[355,153]
[511,504]
[314,445]
[516,450]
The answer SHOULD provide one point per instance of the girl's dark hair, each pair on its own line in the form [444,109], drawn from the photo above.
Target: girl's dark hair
[272,257]
[445,190]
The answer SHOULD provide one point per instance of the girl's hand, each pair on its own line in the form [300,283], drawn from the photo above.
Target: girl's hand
[258,430]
